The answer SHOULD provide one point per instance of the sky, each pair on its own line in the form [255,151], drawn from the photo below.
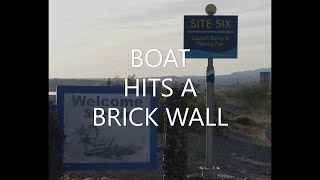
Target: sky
[94,38]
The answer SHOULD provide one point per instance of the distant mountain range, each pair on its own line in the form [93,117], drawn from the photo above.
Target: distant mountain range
[221,82]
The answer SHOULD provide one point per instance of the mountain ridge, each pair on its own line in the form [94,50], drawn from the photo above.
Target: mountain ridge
[220,80]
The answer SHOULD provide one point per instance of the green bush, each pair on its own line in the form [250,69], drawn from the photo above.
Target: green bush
[266,106]
[229,94]
[253,96]
[245,120]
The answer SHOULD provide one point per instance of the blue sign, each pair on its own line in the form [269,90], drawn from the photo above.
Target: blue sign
[211,36]
[88,147]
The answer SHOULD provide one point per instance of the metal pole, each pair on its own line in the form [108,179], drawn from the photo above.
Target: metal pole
[210,105]
[211,9]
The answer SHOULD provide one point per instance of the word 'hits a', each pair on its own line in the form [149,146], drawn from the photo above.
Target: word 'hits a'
[137,61]
[154,86]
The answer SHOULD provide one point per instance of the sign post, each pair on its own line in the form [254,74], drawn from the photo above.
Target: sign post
[210,105]
[211,37]
[210,10]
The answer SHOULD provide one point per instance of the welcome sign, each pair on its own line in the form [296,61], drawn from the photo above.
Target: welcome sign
[105,147]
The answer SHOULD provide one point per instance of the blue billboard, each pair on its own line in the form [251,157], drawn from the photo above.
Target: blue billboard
[211,36]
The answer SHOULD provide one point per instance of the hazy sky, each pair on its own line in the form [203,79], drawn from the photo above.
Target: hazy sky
[94,38]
